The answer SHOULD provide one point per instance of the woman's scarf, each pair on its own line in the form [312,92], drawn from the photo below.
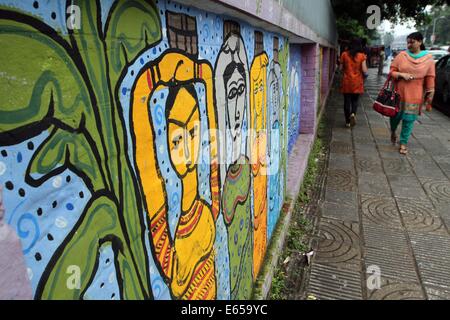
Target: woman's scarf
[417,55]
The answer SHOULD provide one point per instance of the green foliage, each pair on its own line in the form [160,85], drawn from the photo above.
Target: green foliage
[301,226]
[352,15]
[440,17]
[278,286]
[297,241]
[394,11]
[350,28]
[312,169]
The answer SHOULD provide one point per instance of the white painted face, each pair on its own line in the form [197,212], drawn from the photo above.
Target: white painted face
[275,100]
[232,93]
[235,103]
[235,106]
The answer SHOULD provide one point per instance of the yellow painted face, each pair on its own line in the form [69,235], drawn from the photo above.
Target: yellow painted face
[258,95]
[184,133]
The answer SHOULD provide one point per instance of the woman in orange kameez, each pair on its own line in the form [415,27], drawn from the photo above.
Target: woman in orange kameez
[353,64]
[415,71]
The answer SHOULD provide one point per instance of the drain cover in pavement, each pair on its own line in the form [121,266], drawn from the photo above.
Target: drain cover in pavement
[331,283]
[340,147]
[398,291]
[439,191]
[437,293]
[397,166]
[338,244]
[433,258]
[380,237]
[392,263]
[418,215]
[341,180]
[369,165]
[380,210]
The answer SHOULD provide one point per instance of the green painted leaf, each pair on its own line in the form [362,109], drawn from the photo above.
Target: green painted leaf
[96,56]
[37,74]
[63,147]
[90,49]
[97,226]
[132,27]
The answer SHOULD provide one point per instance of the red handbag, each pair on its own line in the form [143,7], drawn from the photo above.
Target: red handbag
[388,100]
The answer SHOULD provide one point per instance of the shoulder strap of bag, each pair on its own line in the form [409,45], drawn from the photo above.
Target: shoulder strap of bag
[390,83]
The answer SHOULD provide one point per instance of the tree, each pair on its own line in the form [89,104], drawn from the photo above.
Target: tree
[440,15]
[355,13]
[350,28]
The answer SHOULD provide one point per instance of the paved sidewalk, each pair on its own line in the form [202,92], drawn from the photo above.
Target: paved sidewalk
[383,211]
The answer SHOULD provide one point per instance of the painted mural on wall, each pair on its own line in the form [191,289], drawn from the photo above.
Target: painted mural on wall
[232,87]
[258,143]
[275,117]
[157,134]
[294,97]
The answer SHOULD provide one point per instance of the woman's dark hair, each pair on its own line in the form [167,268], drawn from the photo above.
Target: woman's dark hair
[418,37]
[174,90]
[229,70]
[355,47]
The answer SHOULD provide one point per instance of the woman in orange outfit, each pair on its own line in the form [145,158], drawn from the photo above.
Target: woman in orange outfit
[415,71]
[353,64]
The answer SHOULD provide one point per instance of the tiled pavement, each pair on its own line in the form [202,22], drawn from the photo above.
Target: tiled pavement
[382,212]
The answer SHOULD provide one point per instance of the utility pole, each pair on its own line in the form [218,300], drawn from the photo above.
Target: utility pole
[433,36]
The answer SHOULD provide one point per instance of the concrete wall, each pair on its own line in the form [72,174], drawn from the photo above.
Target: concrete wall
[114,177]
[323,21]
[310,88]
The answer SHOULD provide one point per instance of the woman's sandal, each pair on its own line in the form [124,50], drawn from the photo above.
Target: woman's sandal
[403,149]
[393,138]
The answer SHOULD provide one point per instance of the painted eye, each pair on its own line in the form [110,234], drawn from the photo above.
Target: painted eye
[241,89]
[232,94]
[193,131]
[176,142]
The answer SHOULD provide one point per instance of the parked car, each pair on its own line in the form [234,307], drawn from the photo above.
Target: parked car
[437,54]
[442,94]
